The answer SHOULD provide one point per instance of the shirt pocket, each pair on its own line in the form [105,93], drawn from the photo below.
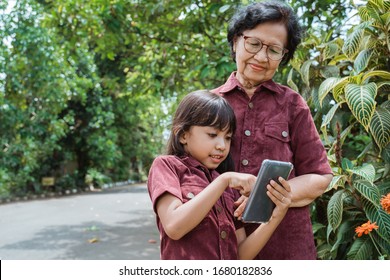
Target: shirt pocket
[278,141]
[188,192]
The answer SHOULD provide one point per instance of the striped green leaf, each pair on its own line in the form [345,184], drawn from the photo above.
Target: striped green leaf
[328,85]
[380,126]
[367,172]
[368,190]
[361,101]
[337,181]
[352,43]
[361,61]
[361,249]
[380,217]
[335,209]
[329,116]
[377,73]
[330,50]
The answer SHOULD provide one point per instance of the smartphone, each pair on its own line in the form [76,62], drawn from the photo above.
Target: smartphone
[259,206]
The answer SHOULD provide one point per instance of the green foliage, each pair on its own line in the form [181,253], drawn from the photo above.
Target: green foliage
[347,80]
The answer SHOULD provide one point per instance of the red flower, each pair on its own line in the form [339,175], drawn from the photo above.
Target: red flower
[385,202]
[366,228]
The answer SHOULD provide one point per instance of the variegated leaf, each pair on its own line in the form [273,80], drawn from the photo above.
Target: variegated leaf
[367,190]
[330,71]
[361,249]
[367,172]
[361,61]
[361,101]
[380,126]
[329,116]
[363,13]
[328,85]
[337,181]
[380,217]
[330,50]
[377,73]
[352,43]
[335,209]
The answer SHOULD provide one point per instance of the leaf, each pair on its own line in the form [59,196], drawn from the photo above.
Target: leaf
[224,9]
[380,126]
[361,249]
[330,71]
[352,43]
[330,50]
[335,209]
[368,190]
[380,217]
[93,240]
[327,85]
[290,82]
[336,182]
[367,172]
[377,73]
[329,116]
[361,101]
[361,61]
[305,71]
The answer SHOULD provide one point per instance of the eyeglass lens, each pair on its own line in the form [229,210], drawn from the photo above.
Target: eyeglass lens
[254,45]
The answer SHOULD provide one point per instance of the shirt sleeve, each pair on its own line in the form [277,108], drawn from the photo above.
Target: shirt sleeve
[163,177]
[309,152]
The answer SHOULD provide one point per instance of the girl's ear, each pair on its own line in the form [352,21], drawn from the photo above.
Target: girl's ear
[183,138]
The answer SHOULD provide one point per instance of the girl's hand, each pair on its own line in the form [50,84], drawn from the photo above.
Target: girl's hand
[281,196]
[240,181]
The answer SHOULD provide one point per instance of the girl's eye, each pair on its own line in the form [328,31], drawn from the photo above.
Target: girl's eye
[212,135]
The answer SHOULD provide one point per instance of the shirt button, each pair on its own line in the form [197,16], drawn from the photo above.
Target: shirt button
[244,162]
[250,105]
[247,132]
[190,195]
[223,234]
[219,209]
[284,134]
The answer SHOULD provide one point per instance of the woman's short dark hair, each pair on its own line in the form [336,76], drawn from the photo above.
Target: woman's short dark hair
[250,16]
[199,108]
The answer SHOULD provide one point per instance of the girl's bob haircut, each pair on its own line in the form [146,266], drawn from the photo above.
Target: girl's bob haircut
[199,108]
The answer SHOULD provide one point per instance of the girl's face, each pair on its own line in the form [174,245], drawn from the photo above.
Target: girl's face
[253,69]
[209,145]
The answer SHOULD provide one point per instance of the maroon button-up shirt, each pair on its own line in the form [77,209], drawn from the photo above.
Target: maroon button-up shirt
[276,123]
[215,237]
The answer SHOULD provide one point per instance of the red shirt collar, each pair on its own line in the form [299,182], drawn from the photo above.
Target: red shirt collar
[233,83]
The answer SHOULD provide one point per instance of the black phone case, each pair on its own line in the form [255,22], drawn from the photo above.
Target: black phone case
[259,206]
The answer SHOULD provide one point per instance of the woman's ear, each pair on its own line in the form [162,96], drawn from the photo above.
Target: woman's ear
[235,43]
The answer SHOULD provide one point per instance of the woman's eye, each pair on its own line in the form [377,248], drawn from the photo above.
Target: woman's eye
[212,135]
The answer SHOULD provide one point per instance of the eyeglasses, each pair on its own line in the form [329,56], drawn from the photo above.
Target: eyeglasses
[254,45]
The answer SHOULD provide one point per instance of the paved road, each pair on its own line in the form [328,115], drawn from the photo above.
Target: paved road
[114,224]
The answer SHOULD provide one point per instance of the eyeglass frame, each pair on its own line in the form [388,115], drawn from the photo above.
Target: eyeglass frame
[262,45]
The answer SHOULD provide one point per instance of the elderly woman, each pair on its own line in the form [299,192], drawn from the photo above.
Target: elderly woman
[273,121]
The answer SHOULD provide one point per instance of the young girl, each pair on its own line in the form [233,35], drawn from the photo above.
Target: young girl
[193,202]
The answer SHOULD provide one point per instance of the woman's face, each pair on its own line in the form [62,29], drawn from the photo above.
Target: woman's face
[253,69]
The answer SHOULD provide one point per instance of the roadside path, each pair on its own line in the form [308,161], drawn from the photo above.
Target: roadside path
[114,224]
